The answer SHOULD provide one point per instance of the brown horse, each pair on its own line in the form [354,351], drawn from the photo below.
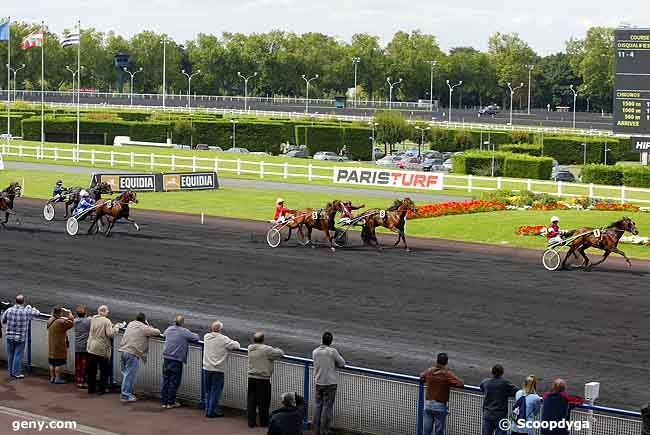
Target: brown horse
[95,191]
[116,209]
[314,218]
[7,197]
[605,239]
[393,218]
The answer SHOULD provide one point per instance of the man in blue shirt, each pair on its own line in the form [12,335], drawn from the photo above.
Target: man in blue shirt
[17,320]
[177,340]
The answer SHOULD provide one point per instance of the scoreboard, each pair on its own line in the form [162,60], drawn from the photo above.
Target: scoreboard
[632,81]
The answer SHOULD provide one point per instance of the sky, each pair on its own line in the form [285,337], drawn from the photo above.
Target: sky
[546,25]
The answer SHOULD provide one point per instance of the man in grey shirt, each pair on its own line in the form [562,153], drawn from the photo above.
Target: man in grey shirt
[326,361]
[81,332]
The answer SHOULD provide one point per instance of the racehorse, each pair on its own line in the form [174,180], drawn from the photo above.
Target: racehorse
[314,218]
[393,218]
[116,209]
[605,239]
[7,198]
[95,191]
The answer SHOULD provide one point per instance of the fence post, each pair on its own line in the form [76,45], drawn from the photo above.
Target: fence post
[151,161]
[173,162]
[591,190]
[112,158]
[29,348]
[20,150]
[469,183]
[305,394]
[499,183]
[420,411]
[310,175]
[216,164]
[529,185]
[92,157]
[193,163]
[623,194]
[261,169]
[286,169]
[132,158]
[559,188]
[56,154]
[238,166]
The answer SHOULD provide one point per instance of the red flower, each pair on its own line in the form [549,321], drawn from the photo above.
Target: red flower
[529,230]
[456,207]
[615,207]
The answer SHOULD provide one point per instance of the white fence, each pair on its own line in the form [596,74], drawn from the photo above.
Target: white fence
[368,401]
[242,167]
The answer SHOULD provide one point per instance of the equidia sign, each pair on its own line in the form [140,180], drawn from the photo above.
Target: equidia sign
[134,182]
[190,181]
[389,178]
[159,182]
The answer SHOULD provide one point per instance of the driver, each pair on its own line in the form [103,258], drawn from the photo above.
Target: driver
[58,191]
[553,232]
[85,201]
[346,214]
[281,212]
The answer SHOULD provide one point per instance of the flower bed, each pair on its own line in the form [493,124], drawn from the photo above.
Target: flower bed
[456,207]
[530,230]
[615,207]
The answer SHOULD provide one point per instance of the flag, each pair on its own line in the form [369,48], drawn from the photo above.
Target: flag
[34,39]
[4,31]
[70,39]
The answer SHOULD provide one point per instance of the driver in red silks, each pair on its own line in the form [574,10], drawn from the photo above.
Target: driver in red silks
[281,212]
[346,214]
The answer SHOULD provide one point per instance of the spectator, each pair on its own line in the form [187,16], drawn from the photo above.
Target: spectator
[533,405]
[177,339]
[495,404]
[81,332]
[134,347]
[289,419]
[17,320]
[326,360]
[57,341]
[215,353]
[438,380]
[100,341]
[260,370]
[557,405]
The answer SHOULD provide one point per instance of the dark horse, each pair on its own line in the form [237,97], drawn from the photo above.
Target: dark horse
[321,219]
[393,218]
[115,209]
[95,191]
[7,198]
[605,239]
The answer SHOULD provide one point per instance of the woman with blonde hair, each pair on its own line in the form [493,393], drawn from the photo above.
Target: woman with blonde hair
[527,407]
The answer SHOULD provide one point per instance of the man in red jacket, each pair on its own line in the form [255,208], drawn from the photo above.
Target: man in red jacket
[553,232]
[281,213]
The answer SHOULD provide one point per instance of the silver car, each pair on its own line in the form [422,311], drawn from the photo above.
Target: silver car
[388,161]
[329,155]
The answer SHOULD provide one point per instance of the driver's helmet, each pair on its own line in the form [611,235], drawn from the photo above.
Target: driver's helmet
[59,182]
[84,193]
[555,219]
[279,201]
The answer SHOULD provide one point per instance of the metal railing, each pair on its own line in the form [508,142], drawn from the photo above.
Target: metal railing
[368,401]
[307,172]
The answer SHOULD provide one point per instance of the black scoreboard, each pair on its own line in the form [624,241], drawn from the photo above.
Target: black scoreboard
[632,81]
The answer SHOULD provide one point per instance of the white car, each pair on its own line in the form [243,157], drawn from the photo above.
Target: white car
[447,165]
[388,161]
[237,150]
[329,155]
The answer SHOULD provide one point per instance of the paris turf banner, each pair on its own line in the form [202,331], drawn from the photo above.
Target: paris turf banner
[389,178]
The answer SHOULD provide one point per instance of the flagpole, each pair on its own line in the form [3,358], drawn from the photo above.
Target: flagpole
[42,86]
[78,82]
[8,79]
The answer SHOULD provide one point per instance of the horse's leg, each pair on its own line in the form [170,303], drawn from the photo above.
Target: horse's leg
[619,252]
[406,247]
[329,239]
[110,227]
[288,235]
[572,251]
[309,230]
[137,227]
[605,255]
[587,264]
[93,224]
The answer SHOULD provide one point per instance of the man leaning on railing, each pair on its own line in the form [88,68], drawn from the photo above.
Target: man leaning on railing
[17,320]
[438,382]
[326,361]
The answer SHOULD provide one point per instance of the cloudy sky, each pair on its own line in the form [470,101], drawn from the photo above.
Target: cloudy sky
[545,24]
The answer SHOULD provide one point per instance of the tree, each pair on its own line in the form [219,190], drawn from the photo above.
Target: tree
[552,76]
[391,129]
[510,55]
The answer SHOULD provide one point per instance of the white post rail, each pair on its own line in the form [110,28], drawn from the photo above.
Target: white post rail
[132,159]
[262,169]
[173,163]
[591,190]
[112,158]
[92,158]
[559,188]
[238,166]
[623,194]
[56,154]
[529,185]
[499,183]
[310,173]
[469,183]
[193,163]
[151,161]
[286,170]
[216,164]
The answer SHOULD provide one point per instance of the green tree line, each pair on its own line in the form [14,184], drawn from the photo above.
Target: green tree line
[281,58]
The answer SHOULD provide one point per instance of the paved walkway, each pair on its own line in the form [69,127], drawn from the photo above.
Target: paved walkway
[263,184]
[33,401]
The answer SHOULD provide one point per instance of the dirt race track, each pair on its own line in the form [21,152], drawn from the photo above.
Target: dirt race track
[391,310]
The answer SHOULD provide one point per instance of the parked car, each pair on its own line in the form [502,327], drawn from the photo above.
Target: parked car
[560,173]
[379,154]
[300,154]
[237,150]
[491,110]
[432,155]
[432,164]
[447,165]
[215,148]
[202,146]
[329,155]
[410,163]
[388,161]
[447,155]
[259,153]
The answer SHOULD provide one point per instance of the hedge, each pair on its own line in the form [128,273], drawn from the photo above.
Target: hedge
[16,129]
[523,148]
[505,164]
[568,150]
[63,129]
[260,136]
[332,138]
[602,174]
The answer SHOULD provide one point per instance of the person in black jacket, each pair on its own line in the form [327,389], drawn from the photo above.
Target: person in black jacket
[497,390]
[289,419]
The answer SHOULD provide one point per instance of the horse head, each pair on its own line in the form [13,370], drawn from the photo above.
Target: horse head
[104,188]
[14,189]
[407,204]
[129,196]
[629,225]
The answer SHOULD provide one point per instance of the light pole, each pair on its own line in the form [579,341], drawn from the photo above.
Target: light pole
[373,125]
[451,91]
[164,86]
[512,94]
[15,71]
[132,74]
[433,63]
[246,79]
[422,130]
[588,100]
[606,149]
[575,97]
[189,86]
[390,91]
[355,62]
[74,74]
[234,130]
[308,81]
[530,79]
